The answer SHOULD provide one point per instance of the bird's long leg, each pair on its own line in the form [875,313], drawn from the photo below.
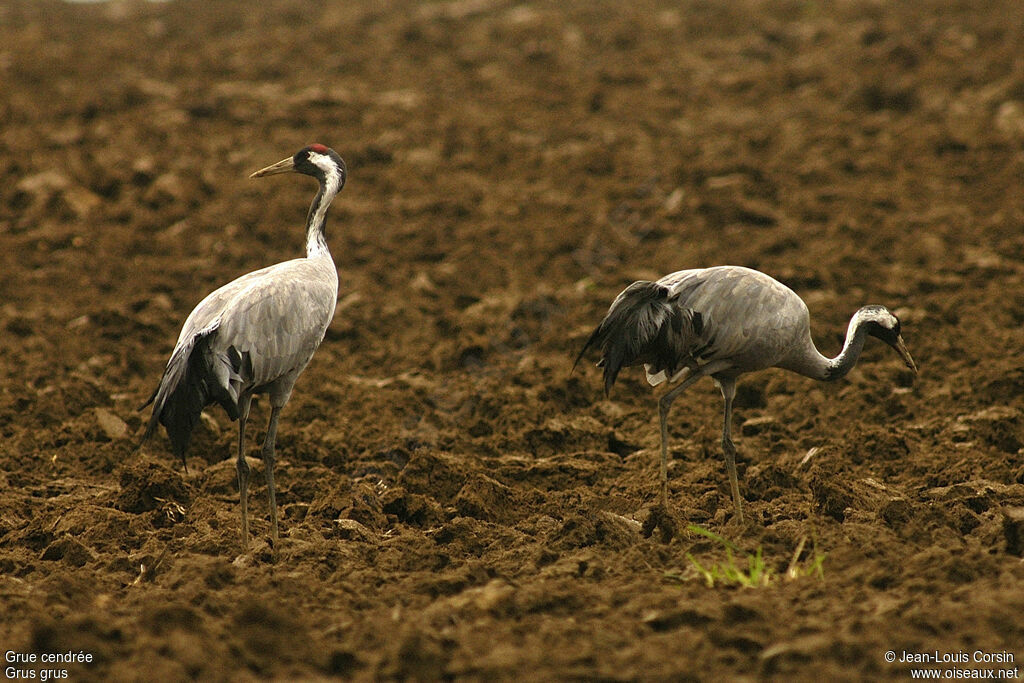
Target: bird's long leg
[664,403]
[268,465]
[728,387]
[243,469]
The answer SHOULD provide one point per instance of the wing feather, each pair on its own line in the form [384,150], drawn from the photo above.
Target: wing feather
[279,319]
[752,320]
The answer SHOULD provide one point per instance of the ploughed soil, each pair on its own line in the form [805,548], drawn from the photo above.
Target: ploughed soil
[456,502]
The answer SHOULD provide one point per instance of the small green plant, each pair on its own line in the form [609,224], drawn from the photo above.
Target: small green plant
[755,574]
[816,565]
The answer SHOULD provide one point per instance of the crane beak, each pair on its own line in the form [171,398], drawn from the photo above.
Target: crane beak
[901,349]
[283,166]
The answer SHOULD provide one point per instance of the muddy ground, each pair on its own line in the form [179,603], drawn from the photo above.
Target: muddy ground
[456,503]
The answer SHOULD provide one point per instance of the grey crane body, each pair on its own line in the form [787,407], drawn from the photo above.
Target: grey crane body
[255,334]
[723,322]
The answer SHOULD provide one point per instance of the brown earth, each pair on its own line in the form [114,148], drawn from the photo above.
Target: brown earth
[456,504]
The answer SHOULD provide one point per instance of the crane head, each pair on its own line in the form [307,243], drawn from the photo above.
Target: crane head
[317,160]
[881,323]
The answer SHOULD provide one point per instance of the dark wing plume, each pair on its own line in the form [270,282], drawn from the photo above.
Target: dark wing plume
[644,327]
[189,384]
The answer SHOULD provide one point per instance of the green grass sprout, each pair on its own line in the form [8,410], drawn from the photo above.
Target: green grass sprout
[746,569]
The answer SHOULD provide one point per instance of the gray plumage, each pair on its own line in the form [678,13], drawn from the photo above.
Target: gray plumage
[722,322]
[255,334]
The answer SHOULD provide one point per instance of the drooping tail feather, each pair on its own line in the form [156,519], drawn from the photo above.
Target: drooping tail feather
[643,326]
[190,383]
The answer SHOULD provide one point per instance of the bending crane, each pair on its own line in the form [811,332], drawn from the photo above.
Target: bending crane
[723,322]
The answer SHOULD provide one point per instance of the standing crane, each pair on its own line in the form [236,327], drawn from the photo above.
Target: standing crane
[255,335]
[723,322]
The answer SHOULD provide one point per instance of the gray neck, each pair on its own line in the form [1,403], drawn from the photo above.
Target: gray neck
[809,362]
[824,368]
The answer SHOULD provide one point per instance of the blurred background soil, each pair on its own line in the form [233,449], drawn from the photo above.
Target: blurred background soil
[456,503]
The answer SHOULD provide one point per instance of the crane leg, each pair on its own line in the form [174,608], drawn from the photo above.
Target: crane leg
[664,403]
[728,387]
[268,464]
[243,470]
